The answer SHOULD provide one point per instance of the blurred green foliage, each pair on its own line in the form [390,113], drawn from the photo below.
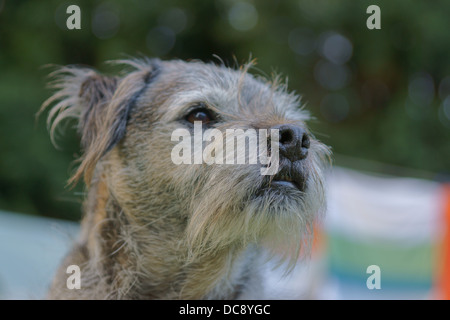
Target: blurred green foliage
[376,94]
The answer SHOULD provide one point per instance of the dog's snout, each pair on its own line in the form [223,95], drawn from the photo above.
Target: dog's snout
[294,142]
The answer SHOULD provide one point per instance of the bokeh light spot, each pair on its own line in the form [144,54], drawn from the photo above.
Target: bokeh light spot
[336,48]
[175,19]
[243,16]
[444,88]
[331,76]
[446,107]
[444,112]
[421,89]
[105,21]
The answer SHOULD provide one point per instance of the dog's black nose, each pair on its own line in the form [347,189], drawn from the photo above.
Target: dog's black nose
[294,141]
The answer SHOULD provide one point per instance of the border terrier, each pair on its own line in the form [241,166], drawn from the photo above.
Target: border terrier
[153,229]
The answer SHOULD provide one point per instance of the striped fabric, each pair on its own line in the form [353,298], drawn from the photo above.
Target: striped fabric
[400,225]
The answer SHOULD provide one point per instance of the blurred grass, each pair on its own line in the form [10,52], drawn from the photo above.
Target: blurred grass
[381,122]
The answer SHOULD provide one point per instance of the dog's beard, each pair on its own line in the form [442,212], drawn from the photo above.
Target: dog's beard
[235,206]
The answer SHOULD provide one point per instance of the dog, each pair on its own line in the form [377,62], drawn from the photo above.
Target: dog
[153,229]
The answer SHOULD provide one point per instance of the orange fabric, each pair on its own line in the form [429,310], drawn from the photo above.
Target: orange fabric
[444,282]
[318,240]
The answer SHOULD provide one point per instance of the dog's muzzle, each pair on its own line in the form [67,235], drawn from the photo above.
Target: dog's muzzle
[294,144]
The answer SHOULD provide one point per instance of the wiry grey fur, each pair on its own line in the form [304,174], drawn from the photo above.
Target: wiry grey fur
[156,230]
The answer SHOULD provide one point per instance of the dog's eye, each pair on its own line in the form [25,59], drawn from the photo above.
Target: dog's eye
[200,114]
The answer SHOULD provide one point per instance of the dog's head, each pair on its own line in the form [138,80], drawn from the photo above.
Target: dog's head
[127,125]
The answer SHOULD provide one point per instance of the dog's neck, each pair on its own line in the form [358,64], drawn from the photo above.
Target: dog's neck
[139,260]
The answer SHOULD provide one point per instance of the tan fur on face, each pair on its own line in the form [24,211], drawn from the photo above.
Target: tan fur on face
[153,229]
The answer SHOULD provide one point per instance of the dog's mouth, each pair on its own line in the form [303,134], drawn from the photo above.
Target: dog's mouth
[285,181]
[288,178]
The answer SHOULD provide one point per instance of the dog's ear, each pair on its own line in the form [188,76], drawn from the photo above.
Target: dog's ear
[102,105]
